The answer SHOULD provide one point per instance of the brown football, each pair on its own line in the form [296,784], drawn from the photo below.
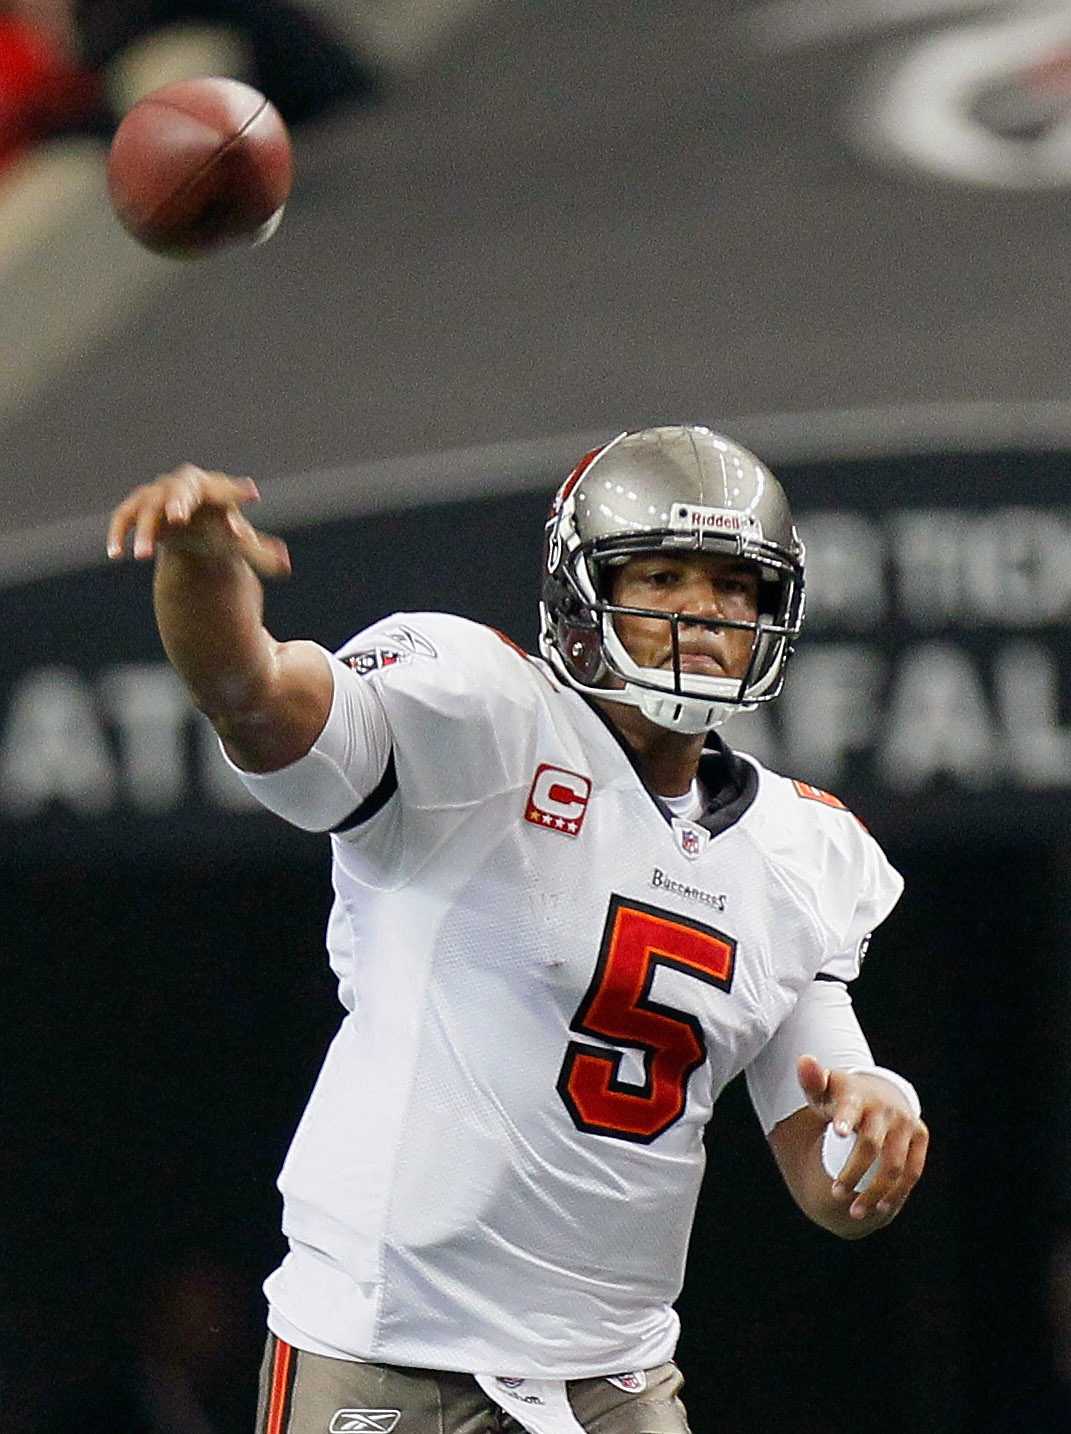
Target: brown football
[199,164]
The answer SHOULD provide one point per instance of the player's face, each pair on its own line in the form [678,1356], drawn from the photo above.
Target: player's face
[699,585]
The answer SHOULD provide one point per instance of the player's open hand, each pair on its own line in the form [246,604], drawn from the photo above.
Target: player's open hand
[196,511]
[887,1136]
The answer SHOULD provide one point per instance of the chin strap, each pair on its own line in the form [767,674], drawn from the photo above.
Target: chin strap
[691,715]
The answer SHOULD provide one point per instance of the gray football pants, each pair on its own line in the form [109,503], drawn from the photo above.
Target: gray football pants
[303,1393]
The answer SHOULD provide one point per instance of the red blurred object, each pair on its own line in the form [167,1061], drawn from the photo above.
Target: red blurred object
[41,90]
[1053,73]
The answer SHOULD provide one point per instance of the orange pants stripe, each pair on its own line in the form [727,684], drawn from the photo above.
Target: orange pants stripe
[279,1390]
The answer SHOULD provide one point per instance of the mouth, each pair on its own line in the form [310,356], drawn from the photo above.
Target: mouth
[702,664]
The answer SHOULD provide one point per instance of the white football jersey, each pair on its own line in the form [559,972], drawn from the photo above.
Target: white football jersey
[548,980]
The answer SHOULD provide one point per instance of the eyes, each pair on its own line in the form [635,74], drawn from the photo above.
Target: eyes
[672,577]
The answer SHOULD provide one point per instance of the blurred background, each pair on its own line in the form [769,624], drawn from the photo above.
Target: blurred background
[837,230]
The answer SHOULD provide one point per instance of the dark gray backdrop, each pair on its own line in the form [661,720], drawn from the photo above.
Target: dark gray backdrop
[587,215]
[163,953]
[575,218]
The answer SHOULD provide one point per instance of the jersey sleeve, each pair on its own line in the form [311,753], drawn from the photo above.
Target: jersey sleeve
[865,887]
[822,1024]
[827,864]
[425,702]
[344,767]
[458,699]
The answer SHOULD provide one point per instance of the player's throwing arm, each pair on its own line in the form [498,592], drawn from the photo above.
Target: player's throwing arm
[267,699]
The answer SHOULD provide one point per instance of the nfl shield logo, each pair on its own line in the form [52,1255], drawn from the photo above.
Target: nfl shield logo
[632,1383]
[691,839]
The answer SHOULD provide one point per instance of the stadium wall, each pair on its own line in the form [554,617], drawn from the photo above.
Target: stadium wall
[171,1002]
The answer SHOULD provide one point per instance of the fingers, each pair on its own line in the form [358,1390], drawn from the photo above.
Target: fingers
[172,500]
[894,1143]
[887,1153]
[814,1082]
[163,509]
[263,552]
[834,1098]
[847,1113]
[903,1157]
[146,526]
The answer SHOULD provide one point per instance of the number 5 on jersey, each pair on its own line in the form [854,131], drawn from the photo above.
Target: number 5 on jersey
[618,1008]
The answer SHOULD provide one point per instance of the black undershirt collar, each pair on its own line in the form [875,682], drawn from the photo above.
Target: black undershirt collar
[730,784]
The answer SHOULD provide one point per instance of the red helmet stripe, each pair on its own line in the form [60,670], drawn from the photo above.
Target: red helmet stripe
[575,477]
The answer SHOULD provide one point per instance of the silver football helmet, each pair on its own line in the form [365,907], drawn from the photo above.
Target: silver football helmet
[667,490]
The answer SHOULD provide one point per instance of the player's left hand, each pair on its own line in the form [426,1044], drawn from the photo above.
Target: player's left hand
[886,1131]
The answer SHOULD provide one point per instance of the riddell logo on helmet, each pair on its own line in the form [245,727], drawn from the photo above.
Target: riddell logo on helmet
[720,520]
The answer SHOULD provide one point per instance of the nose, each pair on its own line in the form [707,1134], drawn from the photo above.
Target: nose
[703,601]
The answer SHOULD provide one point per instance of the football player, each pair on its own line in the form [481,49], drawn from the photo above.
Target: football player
[566,916]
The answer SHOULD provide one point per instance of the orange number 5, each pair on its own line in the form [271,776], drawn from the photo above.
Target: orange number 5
[617,1007]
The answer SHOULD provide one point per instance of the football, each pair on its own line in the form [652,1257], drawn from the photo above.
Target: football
[200,164]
